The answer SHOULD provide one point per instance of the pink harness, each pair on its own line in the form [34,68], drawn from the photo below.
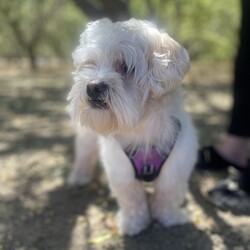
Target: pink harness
[147,166]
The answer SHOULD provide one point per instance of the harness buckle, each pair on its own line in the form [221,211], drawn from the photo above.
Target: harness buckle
[148,169]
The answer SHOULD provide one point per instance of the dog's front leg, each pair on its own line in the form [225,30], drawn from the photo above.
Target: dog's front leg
[172,184]
[167,201]
[133,215]
[171,187]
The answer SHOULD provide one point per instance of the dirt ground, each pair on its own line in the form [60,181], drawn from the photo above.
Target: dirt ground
[38,211]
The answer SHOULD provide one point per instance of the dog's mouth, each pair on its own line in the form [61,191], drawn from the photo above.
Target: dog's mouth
[97,103]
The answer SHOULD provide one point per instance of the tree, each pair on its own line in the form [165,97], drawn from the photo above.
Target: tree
[27,21]
[51,28]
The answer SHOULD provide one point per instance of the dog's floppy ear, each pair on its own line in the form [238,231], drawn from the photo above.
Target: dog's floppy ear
[168,63]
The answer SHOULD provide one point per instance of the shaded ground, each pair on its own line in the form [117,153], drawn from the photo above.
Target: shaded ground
[37,209]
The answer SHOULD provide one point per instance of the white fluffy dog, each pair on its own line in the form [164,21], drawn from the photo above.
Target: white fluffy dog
[127,98]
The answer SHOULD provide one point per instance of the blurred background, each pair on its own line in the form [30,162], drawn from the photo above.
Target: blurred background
[49,29]
[38,211]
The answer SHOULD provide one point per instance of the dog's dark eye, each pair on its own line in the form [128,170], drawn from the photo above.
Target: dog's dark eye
[121,68]
[124,68]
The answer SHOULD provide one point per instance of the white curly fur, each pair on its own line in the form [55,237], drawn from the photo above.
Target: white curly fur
[141,103]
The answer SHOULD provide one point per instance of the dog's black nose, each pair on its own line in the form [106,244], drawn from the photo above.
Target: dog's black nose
[95,90]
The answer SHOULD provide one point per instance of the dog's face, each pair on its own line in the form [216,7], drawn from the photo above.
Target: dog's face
[120,68]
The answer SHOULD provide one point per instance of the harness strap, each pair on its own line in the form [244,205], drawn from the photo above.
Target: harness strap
[147,166]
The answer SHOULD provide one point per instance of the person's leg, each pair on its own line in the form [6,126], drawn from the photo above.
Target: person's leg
[233,193]
[240,116]
[234,147]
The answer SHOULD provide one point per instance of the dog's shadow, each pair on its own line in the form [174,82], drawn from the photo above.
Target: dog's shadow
[75,202]
[178,237]
[156,237]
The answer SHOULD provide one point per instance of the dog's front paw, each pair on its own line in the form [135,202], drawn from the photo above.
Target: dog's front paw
[77,179]
[133,223]
[171,218]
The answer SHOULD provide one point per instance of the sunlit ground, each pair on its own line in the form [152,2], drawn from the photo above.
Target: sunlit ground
[37,209]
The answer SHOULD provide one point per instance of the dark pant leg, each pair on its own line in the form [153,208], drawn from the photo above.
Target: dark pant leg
[240,117]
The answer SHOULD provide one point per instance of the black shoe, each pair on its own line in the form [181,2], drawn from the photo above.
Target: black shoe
[244,179]
[209,159]
[233,193]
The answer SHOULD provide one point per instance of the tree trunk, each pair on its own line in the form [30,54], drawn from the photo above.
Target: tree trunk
[116,10]
[32,58]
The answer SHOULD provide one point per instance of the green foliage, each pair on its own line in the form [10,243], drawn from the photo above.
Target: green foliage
[62,33]
[207,28]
